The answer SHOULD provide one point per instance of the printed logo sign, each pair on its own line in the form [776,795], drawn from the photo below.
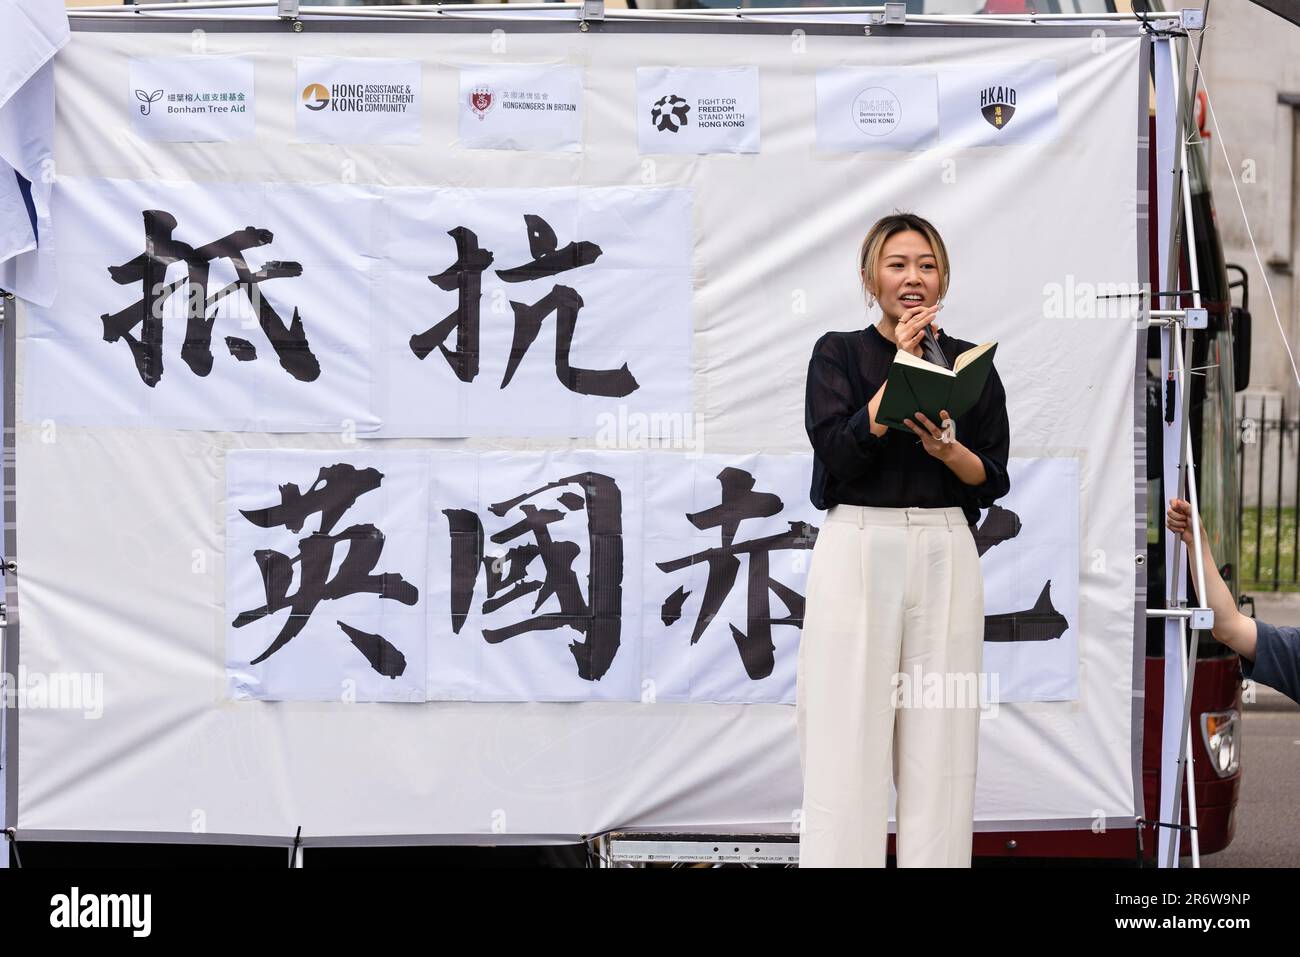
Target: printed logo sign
[192,99]
[894,109]
[998,104]
[349,100]
[521,108]
[697,110]
[480,101]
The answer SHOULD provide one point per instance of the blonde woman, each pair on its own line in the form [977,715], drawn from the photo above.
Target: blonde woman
[895,592]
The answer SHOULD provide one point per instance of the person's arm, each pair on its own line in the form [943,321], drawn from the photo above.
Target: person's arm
[1277,659]
[1231,627]
[841,434]
[873,407]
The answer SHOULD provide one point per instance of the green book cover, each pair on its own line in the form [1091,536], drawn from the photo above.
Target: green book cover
[915,385]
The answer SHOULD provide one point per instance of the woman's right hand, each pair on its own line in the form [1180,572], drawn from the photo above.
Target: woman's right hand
[910,328]
[1179,521]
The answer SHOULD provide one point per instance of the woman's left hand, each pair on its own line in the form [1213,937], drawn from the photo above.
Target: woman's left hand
[939,442]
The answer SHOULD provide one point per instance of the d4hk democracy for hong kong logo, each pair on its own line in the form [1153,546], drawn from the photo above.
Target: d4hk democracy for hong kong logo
[670,113]
[998,104]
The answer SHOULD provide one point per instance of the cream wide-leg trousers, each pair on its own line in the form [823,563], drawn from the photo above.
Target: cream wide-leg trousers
[894,596]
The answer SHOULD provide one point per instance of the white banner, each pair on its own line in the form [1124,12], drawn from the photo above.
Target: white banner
[402,311]
[351,100]
[1029,553]
[521,108]
[651,577]
[343,532]
[249,315]
[487,312]
[192,99]
[533,312]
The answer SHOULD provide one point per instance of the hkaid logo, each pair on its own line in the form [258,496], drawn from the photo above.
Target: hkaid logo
[998,104]
[358,97]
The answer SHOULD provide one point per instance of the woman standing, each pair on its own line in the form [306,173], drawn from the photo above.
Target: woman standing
[895,592]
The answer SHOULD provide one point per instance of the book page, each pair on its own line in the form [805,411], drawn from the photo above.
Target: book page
[916,362]
[970,355]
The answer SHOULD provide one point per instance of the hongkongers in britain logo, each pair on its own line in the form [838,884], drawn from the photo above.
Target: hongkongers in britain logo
[481,101]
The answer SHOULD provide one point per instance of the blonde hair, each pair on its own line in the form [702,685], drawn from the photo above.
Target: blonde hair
[892,225]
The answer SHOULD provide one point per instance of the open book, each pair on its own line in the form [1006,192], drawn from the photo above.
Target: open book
[915,385]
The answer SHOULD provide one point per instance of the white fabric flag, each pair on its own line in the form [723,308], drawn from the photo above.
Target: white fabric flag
[34,31]
[16,235]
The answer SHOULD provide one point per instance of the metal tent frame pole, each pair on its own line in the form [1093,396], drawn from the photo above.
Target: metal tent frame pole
[1176,335]
[882,14]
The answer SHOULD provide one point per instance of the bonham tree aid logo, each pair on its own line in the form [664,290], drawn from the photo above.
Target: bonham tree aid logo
[669,113]
[998,104]
[147,100]
[315,96]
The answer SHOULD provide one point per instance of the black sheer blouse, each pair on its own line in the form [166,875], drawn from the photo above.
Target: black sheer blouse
[853,467]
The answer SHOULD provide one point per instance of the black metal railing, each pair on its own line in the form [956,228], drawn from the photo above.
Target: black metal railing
[1267,528]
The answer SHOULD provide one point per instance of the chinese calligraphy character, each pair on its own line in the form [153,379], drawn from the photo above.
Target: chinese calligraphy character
[336,489]
[1041,622]
[740,502]
[597,618]
[548,260]
[465,276]
[150,270]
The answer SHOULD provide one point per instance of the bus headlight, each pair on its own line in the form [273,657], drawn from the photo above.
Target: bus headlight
[1219,731]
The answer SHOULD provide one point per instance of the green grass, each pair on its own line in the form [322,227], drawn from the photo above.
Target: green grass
[1261,578]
